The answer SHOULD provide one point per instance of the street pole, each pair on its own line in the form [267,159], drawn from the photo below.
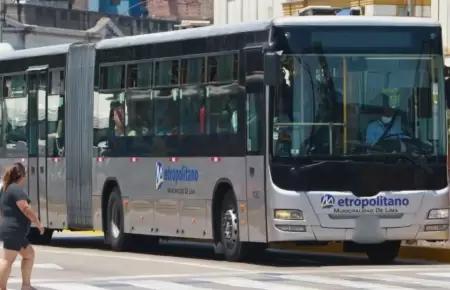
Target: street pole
[410,8]
[2,20]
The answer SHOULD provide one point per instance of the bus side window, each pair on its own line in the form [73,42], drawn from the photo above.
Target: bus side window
[255,101]
[55,114]
[192,99]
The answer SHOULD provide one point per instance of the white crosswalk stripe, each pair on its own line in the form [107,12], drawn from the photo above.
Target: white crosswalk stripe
[48,266]
[292,281]
[253,284]
[68,286]
[439,274]
[410,280]
[162,285]
[342,282]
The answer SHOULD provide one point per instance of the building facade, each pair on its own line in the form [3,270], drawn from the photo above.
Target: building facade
[135,8]
[420,8]
[188,12]
[236,11]
[28,26]
[440,11]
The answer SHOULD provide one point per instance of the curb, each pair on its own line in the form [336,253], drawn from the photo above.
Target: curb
[432,254]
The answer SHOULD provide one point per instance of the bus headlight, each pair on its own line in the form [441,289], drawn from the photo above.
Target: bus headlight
[435,214]
[288,214]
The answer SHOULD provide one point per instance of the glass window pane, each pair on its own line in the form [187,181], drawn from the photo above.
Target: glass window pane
[192,110]
[166,73]
[139,75]
[55,115]
[139,113]
[193,70]
[223,68]
[222,111]
[112,77]
[167,112]
[17,86]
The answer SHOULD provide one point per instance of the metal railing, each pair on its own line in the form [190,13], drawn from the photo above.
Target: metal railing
[330,126]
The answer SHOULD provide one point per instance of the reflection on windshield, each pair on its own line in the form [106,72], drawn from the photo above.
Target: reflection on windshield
[334,105]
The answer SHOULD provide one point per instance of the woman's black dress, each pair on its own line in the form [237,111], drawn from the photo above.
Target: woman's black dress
[15,225]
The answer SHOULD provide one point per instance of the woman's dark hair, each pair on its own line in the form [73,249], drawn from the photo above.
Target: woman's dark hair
[13,174]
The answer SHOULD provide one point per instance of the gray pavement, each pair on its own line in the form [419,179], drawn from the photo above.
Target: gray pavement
[73,262]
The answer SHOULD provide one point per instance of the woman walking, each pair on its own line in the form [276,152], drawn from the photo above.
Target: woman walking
[16,222]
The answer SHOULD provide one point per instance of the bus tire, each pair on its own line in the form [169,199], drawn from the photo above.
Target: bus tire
[233,249]
[116,236]
[35,237]
[384,253]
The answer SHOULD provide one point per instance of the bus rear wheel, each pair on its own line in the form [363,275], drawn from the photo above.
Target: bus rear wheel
[384,253]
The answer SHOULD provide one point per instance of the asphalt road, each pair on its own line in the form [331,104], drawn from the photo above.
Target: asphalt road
[75,262]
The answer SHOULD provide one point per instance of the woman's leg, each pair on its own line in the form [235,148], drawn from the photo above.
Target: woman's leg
[27,253]
[9,256]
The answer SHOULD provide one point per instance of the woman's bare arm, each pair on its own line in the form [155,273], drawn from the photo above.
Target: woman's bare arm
[25,207]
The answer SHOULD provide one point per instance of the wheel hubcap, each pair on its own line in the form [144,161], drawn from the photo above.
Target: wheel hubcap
[230,228]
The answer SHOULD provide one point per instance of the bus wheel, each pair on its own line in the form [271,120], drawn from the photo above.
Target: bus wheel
[35,237]
[115,221]
[233,249]
[384,253]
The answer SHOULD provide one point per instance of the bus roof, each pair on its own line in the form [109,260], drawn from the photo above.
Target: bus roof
[168,36]
[35,52]
[215,30]
[355,21]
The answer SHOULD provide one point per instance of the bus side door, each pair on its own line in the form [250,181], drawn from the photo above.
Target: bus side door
[36,89]
[255,131]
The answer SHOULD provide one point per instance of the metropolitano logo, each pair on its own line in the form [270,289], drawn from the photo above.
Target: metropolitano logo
[159,175]
[327,201]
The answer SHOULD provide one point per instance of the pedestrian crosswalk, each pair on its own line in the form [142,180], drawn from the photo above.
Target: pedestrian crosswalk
[303,280]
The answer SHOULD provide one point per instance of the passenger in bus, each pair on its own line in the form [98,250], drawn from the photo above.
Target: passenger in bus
[119,121]
[223,124]
[386,126]
[234,115]
[166,126]
[17,218]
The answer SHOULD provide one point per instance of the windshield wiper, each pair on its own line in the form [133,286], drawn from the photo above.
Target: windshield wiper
[419,161]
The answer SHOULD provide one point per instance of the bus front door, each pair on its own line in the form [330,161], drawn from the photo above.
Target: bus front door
[37,80]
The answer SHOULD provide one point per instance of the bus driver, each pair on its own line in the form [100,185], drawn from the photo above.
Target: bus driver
[384,127]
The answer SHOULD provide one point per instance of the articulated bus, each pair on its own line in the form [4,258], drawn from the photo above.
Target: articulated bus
[301,130]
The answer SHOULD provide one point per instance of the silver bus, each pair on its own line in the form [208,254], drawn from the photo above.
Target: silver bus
[295,130]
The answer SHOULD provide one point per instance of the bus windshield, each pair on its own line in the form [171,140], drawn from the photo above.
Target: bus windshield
[359,104]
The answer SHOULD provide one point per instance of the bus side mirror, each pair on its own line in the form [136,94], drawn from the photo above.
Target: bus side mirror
[272,69]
